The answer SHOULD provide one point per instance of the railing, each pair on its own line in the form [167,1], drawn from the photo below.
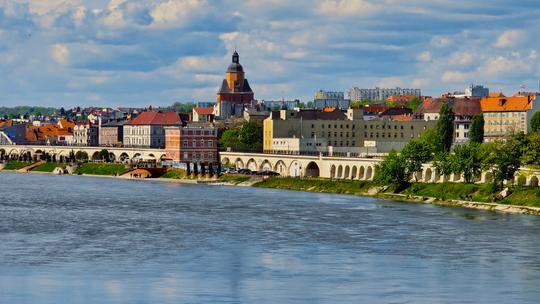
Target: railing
[304,153]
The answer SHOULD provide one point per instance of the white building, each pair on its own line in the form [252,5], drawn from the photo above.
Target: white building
[147,130]
[379,94]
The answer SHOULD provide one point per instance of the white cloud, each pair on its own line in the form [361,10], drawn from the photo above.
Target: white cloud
[454,76]
[425,56]
[347,8]
[421,82]
[533,55]
[510,38]
[175,12]
[208,78]
[60,53]
[42,7]
[440,42]
[390,82]
[496,66]
[294,55]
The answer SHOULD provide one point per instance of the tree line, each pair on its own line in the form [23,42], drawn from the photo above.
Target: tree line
[502,158]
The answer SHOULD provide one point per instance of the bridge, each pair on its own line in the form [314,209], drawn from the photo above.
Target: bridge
[119,154]
[354,168]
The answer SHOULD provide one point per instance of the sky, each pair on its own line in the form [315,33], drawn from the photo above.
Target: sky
[135,53]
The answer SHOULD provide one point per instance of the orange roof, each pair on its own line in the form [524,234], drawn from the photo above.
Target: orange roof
[7,123]
[329,109]
[496,95]
[204,111]
[66,123]
[521,103]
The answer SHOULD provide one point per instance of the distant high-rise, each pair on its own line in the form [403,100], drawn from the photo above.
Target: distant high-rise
[379,94]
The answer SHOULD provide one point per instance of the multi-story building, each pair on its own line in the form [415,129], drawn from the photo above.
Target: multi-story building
[235,92]
[111,134]
[505,116]
[288,104]
[147,130]
[379,94]
[191,144]
[203,114]
[335,131]
[86,134]
[472,91]
[464,110]
[321,94]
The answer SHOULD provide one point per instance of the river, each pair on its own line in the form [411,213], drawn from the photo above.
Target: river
[77,239]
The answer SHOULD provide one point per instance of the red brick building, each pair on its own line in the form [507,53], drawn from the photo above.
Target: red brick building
[191,144]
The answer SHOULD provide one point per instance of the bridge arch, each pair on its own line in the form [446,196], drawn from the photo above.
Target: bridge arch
[333,171]
[369,173]
[354,172]
[266,165]
[428,175]
[340,171]
[534,181]
[295,169]
[312,170]
[239,163]
[252,165]
[281,168]
[225,161]
[347,172]
[361,173]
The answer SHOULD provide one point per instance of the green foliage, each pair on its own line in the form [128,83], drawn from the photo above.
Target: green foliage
[470,160]
[203,169]
[535,122]
[415,103]
[317,185]
[476,133]
[16,112]
[82,118]
[443,163]
[219,167]
[364,102]
[392,170]
[103,155]
[251,135]
[81,155]
[309,105]
[504,159]
[184,108]
[102,169]
[445,127]
[431,138]
[416,153]
[276,108]
[174,174]
[230,138]
[48,167]
[211,169]
[16,165]
[195,169]
[530,146]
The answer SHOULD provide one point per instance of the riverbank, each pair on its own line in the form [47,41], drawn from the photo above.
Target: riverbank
[524,200]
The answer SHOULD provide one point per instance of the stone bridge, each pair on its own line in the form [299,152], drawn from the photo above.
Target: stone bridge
[120,154]
[348,168]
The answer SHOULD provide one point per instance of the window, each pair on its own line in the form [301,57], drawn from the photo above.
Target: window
[347,143]
[401,127]
[466,126]
[378,126]
[202,155]
[335,134]
[395,127]
[412,135]
[383,127]
[329,126]
[340,134]
[341,127]
[329,134]
[466,135]
[186,155]
[335,126]
[211,155]
[457,134]
[395,135]
[347,126]
[382,135]
[365,126]
[322,134]
[312,126]
[323,126]
[371,135]
[353,143]
[312,134]
[210,143]
[371,126]
[341,144]
[401,135]
[335,144]
[377,135]
[365,134]
[389,135]
[353,127]
[412,127]
[202,143]
[194,144]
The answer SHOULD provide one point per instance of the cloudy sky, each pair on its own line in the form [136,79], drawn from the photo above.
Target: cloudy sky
[156,52]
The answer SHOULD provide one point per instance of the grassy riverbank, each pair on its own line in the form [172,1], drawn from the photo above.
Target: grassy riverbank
[16,165]
[173,174]
[481,193]
[49,167]
[102,169]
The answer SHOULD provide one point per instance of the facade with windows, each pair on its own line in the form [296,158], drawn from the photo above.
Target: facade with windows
[191,144]
[86,134]
[380,94]
[111,134]
[507,116]
[148,129]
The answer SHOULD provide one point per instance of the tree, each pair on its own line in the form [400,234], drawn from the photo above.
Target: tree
[104,155]
[218,167]
[531,149]
[445,127]
[203,168]
[535,122]
[415,154]
[392,170]
[309,105]
[81,155]
[251,135]
[476,133]
[415,103]
[443,163]
[149,108]
[504,160]
[470,160]
[188,171]
[229,138]
[431,138]
[276,108]
[195,170]
[210,169]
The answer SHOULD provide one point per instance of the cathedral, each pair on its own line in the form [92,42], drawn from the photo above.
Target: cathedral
[235,93]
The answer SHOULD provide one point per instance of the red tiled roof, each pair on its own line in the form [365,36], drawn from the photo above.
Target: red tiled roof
[521,103]
[156,118]
[460,106]
[204,111]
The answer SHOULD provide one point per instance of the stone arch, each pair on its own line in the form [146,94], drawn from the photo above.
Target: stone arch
[281,168]
[361,173]
[266,165]
[95,155]
[225,161]
[437,176]
[534,181]
[354,172]
[347,172]
[13,152]
[340,171]
[252,165]
[333,171]
[312,170]
[488,177]
[295,169]
[239,163]
[369,173]
[427,178]
[112,156]
[457,177]
[420,175]
[124,157]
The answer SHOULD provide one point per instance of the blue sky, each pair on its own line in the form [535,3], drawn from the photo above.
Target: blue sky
[140,53]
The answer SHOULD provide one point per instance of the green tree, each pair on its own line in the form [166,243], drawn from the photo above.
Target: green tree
[415,154]
[82,118]
[195,169]
[229,138]
[188,171]
[276,108]
[392,170]
[443,163]
[476,133]
[431,138]
[531,150]
[309,105]
[535,121]
[218,167]
[81,155]
[210,169]
[504,160]
[203,169]
[470,160]
[415,103]
[103,155]
[62,111]
[445,127]
[251,135]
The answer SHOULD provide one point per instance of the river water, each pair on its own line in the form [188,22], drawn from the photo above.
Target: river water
[76,239]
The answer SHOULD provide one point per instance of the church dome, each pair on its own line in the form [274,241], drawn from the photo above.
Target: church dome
[235,66]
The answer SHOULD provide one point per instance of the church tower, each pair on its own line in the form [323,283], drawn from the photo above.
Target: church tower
[235,87]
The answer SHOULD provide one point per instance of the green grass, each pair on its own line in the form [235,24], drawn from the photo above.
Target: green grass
[235,178]
[173,173]
[49,167]
[455,191]
[524,196]
[317,185]
[16,165]
[102,169]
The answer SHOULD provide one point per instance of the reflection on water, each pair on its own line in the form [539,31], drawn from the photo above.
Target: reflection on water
[73,239]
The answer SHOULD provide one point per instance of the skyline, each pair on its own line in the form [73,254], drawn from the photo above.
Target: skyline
[140,53]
